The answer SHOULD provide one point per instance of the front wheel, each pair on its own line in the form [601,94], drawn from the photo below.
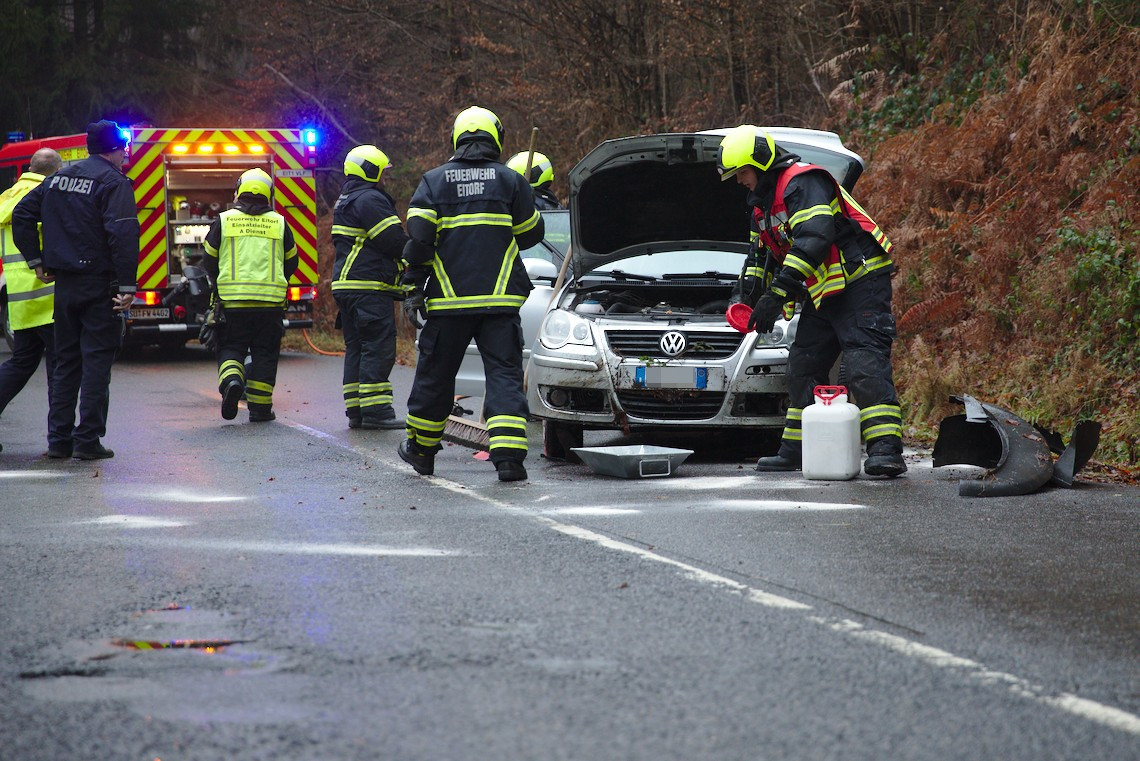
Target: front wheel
[559,438]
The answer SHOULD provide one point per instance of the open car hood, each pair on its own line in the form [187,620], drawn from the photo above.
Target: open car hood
[640,195]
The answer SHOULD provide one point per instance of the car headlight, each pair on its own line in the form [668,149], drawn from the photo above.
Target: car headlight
[774,337]
[561,327]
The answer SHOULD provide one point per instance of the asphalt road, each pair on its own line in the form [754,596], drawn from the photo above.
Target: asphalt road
[292,590]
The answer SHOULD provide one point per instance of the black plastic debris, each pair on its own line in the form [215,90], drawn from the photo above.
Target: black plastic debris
[1015,455]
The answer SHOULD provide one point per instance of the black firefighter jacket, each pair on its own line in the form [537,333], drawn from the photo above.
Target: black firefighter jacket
[474,214]
[368,238]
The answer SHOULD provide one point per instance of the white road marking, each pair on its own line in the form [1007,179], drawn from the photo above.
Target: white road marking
[1099,713]
[594,511]
[777,504]
[179,495]
[135,521]
[305,548]
[748,480]
[34,475]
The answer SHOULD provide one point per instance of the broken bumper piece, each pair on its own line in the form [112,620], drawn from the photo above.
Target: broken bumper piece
[1015,454]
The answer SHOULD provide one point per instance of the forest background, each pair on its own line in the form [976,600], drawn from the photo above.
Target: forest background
[1002,137]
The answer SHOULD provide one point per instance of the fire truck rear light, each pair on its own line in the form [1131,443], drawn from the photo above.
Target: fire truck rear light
[230,148]
[302,292]
[256,148]
[206,148]
[295,293]
[149,298]
[180,312]
[179,148]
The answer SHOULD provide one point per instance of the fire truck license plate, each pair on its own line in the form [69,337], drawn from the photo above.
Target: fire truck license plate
[151,313]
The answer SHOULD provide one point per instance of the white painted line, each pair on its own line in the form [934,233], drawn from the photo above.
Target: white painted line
[177,495]
[749,480]
[33,475]
[135,521]
[777,504]
[594,511]
[1098,713]
[304,548]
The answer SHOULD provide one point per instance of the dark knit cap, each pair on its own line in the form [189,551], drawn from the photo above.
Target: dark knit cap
[103,137]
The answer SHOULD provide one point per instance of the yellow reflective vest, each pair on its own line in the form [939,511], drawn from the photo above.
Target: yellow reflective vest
[31,301]
[251,259]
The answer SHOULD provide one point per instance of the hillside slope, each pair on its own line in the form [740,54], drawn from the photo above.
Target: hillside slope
[1011,197]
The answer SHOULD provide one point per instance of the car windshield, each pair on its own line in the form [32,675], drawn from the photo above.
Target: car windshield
[557,223]
[666,264]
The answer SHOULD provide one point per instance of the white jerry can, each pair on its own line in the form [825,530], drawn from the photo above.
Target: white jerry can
[830,430]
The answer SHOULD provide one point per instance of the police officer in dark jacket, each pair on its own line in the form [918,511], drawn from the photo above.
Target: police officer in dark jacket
[369,242]
[467,221]
[91,249]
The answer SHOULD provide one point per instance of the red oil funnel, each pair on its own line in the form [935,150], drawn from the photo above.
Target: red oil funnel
[737,316]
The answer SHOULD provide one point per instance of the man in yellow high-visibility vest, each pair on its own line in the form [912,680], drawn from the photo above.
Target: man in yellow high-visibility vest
[30,300]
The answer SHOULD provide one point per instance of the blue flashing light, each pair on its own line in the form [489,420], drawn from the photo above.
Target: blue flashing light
[126,133]
[310,136]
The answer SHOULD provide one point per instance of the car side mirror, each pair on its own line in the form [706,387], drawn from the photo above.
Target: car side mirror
[540,269]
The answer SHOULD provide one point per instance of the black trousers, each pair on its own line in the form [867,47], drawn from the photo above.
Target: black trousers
[859,323]
[442,344]
[88,334]
[256,333]
[369,325]
[29,345]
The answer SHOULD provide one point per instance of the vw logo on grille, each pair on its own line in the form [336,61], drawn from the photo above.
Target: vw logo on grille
[673,343]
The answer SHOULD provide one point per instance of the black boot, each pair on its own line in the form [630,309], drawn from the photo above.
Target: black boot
[777,463]
[381,416]
[231,395]
[420,458]
[510,470]
[884,458]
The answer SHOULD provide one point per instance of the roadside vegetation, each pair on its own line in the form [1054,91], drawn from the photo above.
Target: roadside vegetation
[1002,138]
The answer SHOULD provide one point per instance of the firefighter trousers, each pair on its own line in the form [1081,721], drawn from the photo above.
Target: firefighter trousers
[443,342]
[88,335]
[857,322]
[28,346]
[369,326]
[256,333]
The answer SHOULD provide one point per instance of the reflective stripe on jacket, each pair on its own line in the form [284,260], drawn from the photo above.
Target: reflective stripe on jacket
[251,259]
[31,301]
[847,258]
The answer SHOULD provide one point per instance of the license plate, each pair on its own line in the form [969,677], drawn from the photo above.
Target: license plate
[151,313]
[651,376]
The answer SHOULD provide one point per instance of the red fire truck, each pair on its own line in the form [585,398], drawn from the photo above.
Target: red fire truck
[183,178]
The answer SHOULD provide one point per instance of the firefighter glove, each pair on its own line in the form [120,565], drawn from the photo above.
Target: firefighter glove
[414,308]
[764,314]
[415,276]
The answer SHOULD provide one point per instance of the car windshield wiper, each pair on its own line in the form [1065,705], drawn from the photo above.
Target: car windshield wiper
[622,275]
[708,275]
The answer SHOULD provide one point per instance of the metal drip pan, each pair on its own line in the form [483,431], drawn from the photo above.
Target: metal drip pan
[635,461]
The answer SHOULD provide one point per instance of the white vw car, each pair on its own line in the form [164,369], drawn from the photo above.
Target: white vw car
[637,337]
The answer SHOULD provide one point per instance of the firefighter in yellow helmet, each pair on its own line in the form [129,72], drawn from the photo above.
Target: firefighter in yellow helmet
[30,300]
[250,255]
[824,250]
[467,221]
[369,242]
[540,177]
